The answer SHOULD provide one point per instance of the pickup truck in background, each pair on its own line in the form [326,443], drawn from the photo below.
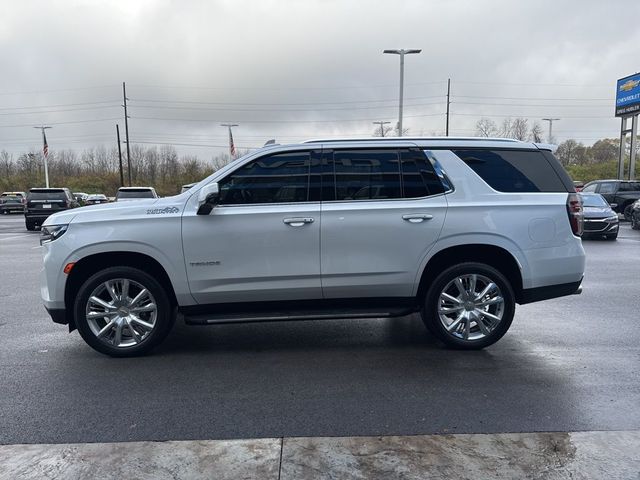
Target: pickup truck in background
[621,194]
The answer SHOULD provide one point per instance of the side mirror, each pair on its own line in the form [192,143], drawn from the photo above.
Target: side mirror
[613,205]
[208,197]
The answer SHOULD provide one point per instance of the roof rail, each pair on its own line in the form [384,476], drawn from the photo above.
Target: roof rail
[399,139]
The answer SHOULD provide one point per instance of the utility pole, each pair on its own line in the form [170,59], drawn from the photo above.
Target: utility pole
[382,124]
[448,103]
[551,120]
[45,154]
[126,130]
[120,155]
[232,147]
[402,53]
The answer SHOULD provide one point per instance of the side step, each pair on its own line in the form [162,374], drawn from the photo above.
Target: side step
[287,315]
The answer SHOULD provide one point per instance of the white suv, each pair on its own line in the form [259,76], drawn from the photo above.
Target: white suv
[459,230]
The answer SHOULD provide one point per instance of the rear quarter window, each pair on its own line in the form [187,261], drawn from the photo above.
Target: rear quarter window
[513,170]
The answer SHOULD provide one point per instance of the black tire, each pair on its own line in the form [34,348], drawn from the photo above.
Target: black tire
[165,315]
[627,212]
[30,226]
[431,317]
[635,222]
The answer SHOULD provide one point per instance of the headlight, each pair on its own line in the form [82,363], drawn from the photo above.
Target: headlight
[51,232]
[611,219]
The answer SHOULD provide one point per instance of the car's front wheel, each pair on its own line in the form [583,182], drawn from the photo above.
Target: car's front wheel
[635,221]
[122,311]
[469,306]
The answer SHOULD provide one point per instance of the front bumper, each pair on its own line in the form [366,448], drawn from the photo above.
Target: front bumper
[599,226]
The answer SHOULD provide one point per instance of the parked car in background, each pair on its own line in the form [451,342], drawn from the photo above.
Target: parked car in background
[80,197]
[619,193]
[599,218]
[11,202]
[96,198]
[635,215]
[135,193]
[43,202]
[186,187]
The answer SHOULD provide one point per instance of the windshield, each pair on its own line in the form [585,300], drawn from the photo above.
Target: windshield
[146,193]
[594,201]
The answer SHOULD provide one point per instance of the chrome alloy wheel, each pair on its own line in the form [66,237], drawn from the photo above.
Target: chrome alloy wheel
[470,307]
[121,312]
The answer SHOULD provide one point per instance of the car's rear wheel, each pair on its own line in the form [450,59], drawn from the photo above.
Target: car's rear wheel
[122,311]
[469,306]
[31,226]
[635,221]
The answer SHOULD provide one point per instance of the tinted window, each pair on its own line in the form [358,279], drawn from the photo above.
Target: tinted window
[419,178]
[47,195]
[607,187]
[279,178]
[590,188]
[630,187]
[513,170]
[366,174]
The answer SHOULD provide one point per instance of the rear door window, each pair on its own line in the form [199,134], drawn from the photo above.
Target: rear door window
[607,187]
[513,170]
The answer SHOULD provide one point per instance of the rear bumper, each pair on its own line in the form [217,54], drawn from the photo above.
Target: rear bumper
[37,217]
[530,295]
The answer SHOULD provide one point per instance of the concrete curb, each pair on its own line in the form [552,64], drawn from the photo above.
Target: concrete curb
[588,455]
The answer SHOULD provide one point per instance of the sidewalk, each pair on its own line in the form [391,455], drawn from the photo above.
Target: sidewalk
[580,455]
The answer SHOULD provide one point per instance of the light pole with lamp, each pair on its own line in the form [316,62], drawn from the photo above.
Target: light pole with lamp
[402,53]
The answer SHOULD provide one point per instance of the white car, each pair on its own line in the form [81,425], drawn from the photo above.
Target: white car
[458,230]
[135,193]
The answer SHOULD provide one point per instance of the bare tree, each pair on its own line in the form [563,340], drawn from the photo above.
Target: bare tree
[520,129]
[536,132]
[382,131]
[486,127]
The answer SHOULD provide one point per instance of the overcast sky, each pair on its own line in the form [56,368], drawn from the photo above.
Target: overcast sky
[292,70]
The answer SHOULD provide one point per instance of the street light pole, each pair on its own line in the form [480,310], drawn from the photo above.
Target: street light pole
[550,120]
[45,154]
[402,53]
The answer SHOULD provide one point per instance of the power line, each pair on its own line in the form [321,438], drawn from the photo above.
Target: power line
[59,105]
[583,99]
[59,90]
[63,123]
[60,111]
[278,121]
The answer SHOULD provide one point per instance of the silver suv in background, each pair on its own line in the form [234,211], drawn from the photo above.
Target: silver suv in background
[457,230]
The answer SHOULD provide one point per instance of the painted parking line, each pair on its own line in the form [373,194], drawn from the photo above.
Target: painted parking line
[12,238]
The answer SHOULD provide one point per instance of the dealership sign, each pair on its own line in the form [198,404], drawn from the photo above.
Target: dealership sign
[628,96]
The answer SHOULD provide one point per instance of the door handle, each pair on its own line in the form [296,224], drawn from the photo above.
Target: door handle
[417,217]
[297,221]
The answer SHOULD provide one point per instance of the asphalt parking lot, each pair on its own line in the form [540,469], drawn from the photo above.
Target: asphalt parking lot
[569,364]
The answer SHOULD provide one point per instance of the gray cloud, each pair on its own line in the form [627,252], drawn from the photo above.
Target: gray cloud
[299,69]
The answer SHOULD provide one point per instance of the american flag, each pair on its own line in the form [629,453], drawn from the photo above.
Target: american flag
[45,147]
[232,147]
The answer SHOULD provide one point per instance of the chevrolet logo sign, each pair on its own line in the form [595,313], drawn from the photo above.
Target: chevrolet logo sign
[629,85]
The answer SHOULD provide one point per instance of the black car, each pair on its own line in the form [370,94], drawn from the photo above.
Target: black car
[42,202]
[12,202]
[619,193]
[635,215]
[599,218]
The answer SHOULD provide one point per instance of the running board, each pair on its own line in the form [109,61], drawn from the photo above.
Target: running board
[281,316]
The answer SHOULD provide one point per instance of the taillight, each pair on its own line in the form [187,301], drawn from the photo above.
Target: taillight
[576,215]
